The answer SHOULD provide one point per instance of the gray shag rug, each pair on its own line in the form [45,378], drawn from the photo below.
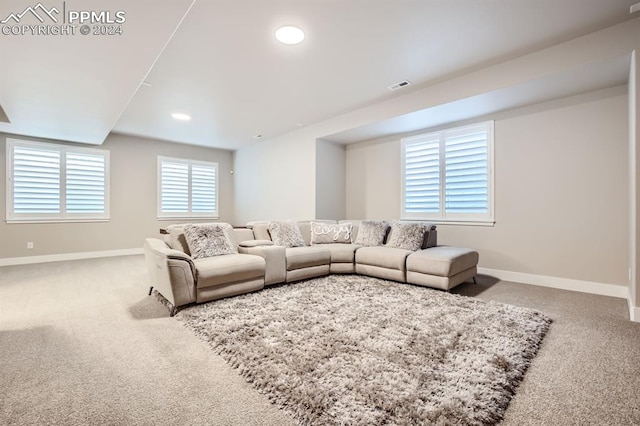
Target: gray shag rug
[348,349]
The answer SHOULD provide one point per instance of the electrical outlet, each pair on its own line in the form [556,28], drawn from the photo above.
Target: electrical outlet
[30,245]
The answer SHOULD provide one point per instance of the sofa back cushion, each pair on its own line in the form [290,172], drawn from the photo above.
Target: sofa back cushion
[241,234]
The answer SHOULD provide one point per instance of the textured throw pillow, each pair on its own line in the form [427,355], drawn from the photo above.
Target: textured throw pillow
[372,233]
[408,236]
[330,233]
[208,240]
[286,234]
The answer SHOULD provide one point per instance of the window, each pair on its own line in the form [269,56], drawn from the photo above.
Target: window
[187,188]
[49,182]
[448,175]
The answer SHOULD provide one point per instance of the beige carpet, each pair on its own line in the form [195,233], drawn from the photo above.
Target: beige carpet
[81,343]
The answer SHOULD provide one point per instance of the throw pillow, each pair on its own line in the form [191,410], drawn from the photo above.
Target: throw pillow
[286,234]
[408,236]
[372,233]
[330,233]
[208,240]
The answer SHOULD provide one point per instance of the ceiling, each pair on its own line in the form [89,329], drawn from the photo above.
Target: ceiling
[219,62]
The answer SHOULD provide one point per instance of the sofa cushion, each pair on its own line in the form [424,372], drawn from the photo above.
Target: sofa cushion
[407,235]
[341,253]
[229,268]
[304,257]
[384,257]
[330,233]
[442,261]
[208,240]
[286,234]
[372,233]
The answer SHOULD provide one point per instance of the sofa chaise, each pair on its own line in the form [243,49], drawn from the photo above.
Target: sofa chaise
[267,253]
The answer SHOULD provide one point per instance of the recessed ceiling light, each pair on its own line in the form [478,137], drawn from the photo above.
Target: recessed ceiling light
[289,35]
[181,116]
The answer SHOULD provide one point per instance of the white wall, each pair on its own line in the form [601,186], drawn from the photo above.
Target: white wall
[275,180]
[133,201]
[330,180]
[561,190]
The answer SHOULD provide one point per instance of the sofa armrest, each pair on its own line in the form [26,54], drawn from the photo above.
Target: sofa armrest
[274,256]
[171,272]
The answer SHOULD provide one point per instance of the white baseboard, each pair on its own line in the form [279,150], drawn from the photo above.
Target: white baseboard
[634,311]
[602,289]
[9,261]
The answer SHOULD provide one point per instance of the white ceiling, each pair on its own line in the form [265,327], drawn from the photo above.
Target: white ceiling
[223,66]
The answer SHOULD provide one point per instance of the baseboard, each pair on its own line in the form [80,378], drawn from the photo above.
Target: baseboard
[9,261]
[602,289]
[634,311]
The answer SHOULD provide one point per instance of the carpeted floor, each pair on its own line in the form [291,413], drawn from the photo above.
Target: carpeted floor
[82,343]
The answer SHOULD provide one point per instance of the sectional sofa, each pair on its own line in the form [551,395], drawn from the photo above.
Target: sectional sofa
[197,263]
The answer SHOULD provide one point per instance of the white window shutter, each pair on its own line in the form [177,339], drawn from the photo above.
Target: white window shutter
[422,176]
[36,181]
[466,173]
[85,183]
[187,188]
[448,175]
[203,188]
[174,187]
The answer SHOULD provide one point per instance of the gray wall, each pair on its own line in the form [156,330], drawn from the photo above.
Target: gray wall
[133,201]
[561,190]
[330,180]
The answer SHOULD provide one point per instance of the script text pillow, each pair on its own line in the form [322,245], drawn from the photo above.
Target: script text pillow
[286,234]
[408,236]
[331,233]
[208,240]
[372,233]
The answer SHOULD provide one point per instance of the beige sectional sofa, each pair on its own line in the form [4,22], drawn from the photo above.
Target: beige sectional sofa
[254,261]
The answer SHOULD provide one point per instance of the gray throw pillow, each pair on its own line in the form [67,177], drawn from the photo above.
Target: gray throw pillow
[407,236]
[331,233]
[286,234]
[372,233]
[209,240]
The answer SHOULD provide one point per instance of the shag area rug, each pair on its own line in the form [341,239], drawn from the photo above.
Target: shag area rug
[355,350]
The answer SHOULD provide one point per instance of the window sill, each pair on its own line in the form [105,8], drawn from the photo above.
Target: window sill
[32,221]
[172,218]
[452,222]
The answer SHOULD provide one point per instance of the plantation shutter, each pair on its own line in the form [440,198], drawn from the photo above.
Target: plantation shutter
[466,172]
[52,182]
[422,176]
[187,188]
[85,183]
[36,181]
[447,175]
[174,184]
[203,189]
